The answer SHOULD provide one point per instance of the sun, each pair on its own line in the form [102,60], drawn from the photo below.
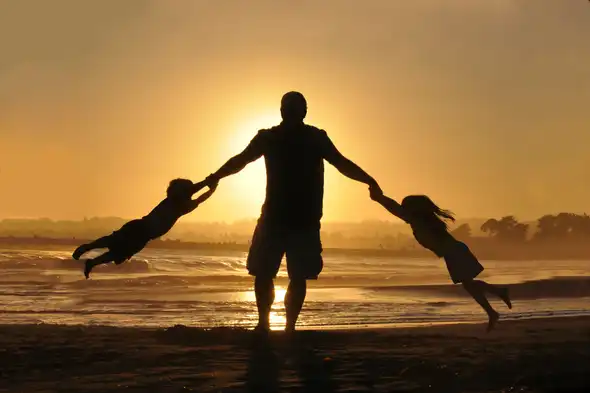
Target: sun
[244,130]
[250,184]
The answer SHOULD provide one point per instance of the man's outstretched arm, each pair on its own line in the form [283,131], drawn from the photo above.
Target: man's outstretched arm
[235,164]
[345,166]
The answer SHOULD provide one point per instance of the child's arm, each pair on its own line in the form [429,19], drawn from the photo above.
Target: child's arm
[202,198]
[389,204]
[198,186]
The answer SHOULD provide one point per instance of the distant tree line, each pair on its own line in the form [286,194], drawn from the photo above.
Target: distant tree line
[505,235]
[560,227]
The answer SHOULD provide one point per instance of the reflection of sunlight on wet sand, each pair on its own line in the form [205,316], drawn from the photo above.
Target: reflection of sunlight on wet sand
[280,295]
[249,296]
[277,321]
[277,315]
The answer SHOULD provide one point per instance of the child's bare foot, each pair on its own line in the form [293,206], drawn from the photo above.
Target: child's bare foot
[88,268]
[79,252]
[505,296]
[493,319]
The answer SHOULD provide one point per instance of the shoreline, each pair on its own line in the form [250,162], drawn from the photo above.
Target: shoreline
[451,327]
[545,355]
[505,318]
[523,252]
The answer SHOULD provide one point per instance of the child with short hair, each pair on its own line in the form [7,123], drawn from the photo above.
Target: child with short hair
[132,237]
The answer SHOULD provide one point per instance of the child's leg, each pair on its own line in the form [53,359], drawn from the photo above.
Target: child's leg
[107,257]
[501,292]
[103,242]
[477,293]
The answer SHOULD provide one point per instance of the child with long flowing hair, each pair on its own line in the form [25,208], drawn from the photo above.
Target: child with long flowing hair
[429,225]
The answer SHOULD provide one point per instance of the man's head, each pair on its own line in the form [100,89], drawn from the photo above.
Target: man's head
[293,107]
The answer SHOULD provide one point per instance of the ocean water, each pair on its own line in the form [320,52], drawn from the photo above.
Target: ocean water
[207,289]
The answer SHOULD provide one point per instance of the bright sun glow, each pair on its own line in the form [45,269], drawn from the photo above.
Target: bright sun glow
[245,130]
[277,320]
[277,315]
[250,183]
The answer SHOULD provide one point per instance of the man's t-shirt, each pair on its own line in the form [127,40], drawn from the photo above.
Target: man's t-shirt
[294,157]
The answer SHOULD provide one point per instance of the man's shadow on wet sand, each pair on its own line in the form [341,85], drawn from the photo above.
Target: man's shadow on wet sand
[273,363]
[269,357]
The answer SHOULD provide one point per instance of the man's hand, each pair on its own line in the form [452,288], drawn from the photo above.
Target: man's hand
[203,197]
[212,181]
[375,191]
[389,204]
[209,181]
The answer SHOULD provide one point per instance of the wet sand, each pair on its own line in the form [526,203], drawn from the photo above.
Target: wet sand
[542,355]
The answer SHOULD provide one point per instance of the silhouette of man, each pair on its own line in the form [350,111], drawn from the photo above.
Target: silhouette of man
[290,219]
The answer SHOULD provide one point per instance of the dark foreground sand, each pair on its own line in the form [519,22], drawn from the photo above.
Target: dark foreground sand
[549,355]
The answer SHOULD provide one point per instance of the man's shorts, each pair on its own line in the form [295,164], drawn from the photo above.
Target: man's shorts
[303,248]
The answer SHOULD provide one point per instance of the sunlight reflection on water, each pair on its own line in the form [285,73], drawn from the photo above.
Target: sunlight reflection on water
[163,288]
[277,315]
[249,320]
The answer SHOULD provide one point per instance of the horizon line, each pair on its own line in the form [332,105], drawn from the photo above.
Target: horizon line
[247,219]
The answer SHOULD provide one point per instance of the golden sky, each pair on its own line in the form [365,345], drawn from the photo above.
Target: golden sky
[483,105]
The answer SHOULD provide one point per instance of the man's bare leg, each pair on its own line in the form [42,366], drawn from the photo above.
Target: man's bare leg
[294,299]
[264,289]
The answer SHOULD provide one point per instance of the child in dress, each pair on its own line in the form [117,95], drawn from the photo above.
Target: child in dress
[430,230]
[132,237]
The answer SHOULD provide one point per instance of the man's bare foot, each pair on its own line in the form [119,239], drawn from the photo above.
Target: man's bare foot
[493,319]
[88,268]
[79,252]
[505,296]
[262,328]
[290,329]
